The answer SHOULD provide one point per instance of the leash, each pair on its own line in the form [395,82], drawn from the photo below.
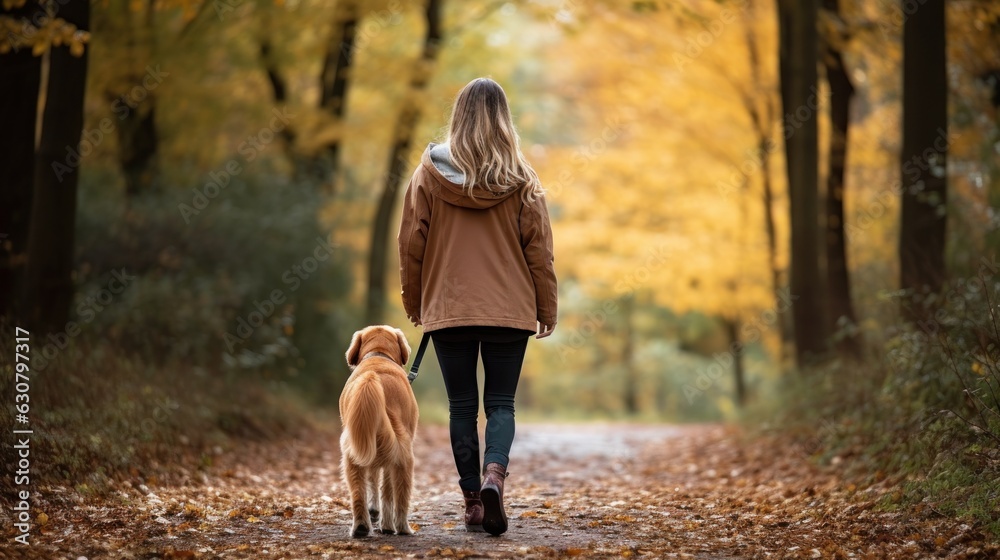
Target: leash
[418,357]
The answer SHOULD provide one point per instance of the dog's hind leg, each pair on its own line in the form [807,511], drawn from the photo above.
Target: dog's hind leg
[388,521]
[358,487]
[402,486]
[373,493]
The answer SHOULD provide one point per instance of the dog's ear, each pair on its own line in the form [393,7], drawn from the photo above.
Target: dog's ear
[404,347]
[354,350]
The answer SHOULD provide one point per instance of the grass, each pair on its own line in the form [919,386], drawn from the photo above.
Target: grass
[960,486]
[101,416]
[895,416]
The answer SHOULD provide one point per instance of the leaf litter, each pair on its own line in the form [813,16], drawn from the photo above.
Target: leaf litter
[623,491]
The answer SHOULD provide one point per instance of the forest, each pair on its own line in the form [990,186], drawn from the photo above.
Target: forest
[776,239]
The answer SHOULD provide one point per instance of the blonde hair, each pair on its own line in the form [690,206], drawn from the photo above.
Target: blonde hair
[484,144]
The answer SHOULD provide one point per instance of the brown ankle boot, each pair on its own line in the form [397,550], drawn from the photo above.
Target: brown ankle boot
[473,511]
[494,517]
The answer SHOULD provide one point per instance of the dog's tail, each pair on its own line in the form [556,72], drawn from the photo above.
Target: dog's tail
[365,419]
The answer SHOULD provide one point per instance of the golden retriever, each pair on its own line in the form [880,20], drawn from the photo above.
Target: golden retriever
[378,414]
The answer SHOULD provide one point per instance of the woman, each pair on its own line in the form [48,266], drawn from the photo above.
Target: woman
[475,253]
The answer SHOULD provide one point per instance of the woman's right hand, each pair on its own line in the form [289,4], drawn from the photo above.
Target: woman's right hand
[545,330]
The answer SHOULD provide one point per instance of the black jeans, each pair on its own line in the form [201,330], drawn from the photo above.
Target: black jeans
[458,350]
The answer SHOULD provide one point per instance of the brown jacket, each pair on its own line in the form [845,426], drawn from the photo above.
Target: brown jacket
[483,261]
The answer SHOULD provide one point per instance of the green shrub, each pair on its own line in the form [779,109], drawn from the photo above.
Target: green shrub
[922,407]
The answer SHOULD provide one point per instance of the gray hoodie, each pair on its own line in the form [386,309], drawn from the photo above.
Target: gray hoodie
[441,158]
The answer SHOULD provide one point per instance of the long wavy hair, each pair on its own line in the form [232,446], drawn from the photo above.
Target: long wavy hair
[484,144]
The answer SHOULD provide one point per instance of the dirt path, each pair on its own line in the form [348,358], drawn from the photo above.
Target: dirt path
[574,491]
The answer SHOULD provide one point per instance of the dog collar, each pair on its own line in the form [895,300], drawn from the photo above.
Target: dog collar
[376,354]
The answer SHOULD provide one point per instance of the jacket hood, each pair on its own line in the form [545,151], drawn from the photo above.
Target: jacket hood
[437,161]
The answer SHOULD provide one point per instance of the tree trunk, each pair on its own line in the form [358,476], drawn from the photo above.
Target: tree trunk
[137,136]
[334,82]
[798,66]
[334,79]
[599,394]
[763,123]
[631,390]
[398,166]
[739,375]
[279,91]
[777,280]
[20,73]
[137,145]
[838,284]
[48,281]
[924,152]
